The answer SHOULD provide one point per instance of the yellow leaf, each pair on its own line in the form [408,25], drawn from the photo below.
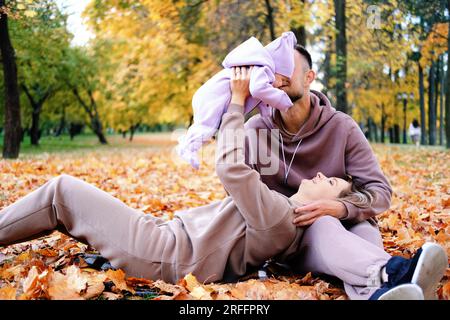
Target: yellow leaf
[191,281]
[8,293]
[200,293]
[30,13]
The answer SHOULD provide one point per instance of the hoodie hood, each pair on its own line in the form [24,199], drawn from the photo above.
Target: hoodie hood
[282,52]
[250,52]
[321,113]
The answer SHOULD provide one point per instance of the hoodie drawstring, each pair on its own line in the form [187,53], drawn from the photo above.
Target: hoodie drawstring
[286,171]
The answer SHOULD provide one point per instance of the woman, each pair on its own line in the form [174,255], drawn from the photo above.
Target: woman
[215,242]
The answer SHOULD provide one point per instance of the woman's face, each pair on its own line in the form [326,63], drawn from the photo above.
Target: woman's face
[322,187]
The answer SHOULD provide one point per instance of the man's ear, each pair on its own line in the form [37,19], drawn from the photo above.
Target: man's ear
[310,76]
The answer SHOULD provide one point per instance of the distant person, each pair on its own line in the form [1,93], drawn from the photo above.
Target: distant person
[415,132]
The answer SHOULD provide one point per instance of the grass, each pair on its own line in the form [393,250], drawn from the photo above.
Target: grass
[89,142]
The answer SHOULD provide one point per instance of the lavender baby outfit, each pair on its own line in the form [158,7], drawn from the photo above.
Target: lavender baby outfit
[212,98]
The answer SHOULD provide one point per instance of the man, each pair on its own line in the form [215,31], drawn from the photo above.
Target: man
[314,137]
[325,140]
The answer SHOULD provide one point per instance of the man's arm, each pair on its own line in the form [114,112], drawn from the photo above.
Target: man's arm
[362,165]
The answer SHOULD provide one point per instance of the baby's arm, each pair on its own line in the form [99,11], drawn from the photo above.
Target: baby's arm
[261,88]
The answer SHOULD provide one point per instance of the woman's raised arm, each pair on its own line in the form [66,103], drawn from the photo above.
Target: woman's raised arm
[261,207]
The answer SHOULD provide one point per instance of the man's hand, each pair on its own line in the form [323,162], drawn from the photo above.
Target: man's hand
[310,212]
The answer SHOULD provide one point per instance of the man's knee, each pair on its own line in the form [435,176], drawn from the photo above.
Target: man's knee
[326,222]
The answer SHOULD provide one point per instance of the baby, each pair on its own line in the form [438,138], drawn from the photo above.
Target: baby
[212,98]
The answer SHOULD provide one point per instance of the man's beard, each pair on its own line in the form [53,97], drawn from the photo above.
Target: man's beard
[295,97]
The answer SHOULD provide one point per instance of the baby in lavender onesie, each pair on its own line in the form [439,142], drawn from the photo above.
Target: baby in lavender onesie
[213,97]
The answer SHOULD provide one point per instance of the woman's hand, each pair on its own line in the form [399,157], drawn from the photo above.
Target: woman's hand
[239,83]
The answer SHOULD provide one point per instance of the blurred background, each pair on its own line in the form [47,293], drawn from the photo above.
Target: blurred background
[87,72]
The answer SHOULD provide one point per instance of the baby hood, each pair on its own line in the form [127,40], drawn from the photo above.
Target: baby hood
[250,52]
[282,53]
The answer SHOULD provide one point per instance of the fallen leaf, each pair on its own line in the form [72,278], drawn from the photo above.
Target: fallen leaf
[118,277]
[8,292]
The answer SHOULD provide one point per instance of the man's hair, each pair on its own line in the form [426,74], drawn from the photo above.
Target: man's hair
[301,49]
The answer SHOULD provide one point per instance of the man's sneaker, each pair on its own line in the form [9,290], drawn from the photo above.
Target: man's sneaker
[407,291]
[425,269]
[430,268]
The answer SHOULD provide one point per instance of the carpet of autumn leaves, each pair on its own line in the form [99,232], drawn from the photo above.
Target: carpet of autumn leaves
[154,181]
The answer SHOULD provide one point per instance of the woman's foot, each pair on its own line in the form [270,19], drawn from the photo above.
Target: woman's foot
[402,292]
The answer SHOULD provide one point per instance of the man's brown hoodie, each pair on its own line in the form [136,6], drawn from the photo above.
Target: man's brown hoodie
[331,142]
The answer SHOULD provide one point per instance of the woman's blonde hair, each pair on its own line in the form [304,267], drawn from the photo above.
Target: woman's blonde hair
[357,195]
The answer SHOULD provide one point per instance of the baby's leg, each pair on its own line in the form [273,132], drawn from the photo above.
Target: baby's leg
[125,236]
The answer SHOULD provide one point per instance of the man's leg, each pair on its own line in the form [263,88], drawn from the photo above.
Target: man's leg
[328,248]
[368,230]
[126,237]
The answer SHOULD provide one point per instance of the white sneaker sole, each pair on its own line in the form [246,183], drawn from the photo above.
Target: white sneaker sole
[407,291]
[430,269]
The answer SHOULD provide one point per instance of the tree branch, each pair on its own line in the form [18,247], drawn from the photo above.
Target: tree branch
[83,104]
[28,94]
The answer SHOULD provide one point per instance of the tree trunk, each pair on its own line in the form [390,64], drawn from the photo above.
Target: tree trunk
[423,128]
[405,101]
[36,106]
[300,32]
[12,122]
[447,92]
[396,133]
[91,109]
[97,127]
[383,123]
[341,57]
[375,132]
[62,122]
[327,66]
[437,81]
[441,104]
[133,130]
[391,135]
[270,20]
[369,129]
[34,131]
[431,106]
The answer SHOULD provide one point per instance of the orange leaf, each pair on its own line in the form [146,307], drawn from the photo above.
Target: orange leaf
[118,277]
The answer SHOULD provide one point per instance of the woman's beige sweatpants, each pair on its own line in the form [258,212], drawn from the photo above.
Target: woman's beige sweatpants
[129,239]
